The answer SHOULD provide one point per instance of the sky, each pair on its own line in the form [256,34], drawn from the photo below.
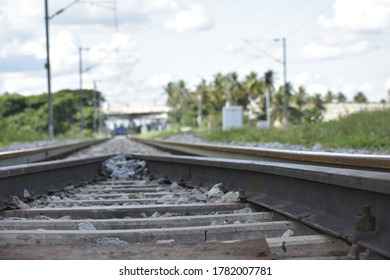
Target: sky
[133,48]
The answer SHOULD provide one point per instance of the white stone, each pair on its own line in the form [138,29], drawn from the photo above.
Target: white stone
[229,197]
[288,233]
[85,226]
[243,211]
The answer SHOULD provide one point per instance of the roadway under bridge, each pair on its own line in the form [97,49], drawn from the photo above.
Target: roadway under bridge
[137,119]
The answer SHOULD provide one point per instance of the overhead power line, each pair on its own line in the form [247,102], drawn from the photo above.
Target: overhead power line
[309,20]
[261,50]
[285,18]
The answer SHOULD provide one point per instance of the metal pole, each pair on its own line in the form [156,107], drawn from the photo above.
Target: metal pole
[268,109]
[95,107]
[49,97]
[228,93]
[285,112]
[199,118]
[81,92]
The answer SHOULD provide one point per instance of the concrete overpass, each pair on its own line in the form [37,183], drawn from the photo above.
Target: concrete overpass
[145,112]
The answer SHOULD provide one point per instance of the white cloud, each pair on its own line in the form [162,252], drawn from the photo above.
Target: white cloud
[159,80]
[154,5]
[21,15]
[314,88]
[192,19]
[314,83]
[25,82]
[233,49]
[347,31]
[358,15]
[320,50]
[35,48]
[366,88]
[63,51]
[387,83]
[305,77]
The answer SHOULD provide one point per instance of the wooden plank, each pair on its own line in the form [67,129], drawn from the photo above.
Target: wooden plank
[161,222]
[245,250]
[124,211]
[179,235]
[121,190]
[86,202]
[305,244]
[135,185]
[153,194]
[123,182]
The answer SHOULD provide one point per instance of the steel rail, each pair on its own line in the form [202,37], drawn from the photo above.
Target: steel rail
[214,225]
[353,205]
[356,161]
[41,178]
[41,154]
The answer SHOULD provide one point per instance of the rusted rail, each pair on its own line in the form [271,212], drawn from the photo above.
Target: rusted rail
[343,204]
[41,154]
[356,161]
[350,204]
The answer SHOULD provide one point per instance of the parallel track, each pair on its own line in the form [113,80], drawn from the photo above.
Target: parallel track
[341,160]
[42,154]
[348,207]
[164,220]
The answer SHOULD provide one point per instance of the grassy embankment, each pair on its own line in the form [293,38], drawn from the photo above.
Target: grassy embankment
[363,130]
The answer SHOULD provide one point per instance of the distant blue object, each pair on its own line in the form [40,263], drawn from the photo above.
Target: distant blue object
[120,131]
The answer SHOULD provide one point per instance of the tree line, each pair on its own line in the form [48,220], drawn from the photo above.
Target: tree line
[202,105]
[25,118]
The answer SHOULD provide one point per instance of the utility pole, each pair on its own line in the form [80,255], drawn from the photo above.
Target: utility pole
[49,99]
[81,92]
[48,67]
[95,107]
[228,92]
[267,107]
[285,112]
[284,63]
[199,117]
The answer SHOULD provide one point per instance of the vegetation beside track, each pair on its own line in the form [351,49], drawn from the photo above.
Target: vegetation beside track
[363,130]
[25,118]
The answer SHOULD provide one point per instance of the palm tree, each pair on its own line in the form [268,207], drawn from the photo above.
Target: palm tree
[341,98]
[250,85]
[183,94]
[201,92]
[300,98]
[318,103]
[177,98]
[239,95]
[173,100]
[360,98]
[328,97]
[255,93]
[217,92]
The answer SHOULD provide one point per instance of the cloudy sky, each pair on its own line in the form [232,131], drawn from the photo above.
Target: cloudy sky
[135,47]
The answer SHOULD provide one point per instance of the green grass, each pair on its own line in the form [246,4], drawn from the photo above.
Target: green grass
[160,134]
[363,130]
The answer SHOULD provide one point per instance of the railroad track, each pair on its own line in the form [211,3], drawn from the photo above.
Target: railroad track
[279,210]
[41,154]
[341,160]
